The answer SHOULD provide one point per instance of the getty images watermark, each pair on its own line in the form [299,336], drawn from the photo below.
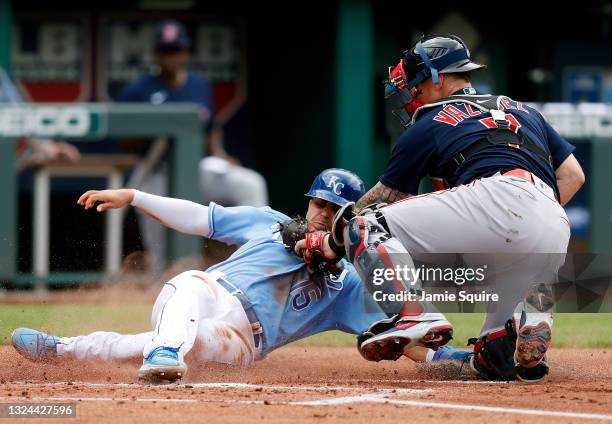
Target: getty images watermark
[408,276]
[471,282]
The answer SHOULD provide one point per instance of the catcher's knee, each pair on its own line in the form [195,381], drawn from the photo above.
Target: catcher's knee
[362,232]
[365,242]
[364,245]
[356,237]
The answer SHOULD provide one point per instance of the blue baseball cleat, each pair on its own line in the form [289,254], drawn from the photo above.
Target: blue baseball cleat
[161,364]
[34,345]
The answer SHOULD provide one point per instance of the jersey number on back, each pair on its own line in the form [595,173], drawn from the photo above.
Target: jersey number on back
[490,122]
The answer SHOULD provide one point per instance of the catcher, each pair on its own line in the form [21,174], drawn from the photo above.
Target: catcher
[235,312]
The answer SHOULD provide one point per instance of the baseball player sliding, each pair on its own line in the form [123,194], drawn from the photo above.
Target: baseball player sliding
[504,175]
[235,312]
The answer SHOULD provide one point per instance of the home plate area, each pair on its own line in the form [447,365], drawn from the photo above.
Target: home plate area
[308,384]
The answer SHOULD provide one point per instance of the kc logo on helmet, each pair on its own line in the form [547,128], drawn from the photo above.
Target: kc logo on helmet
[335,185]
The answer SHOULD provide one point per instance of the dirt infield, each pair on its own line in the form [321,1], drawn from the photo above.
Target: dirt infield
[314,385]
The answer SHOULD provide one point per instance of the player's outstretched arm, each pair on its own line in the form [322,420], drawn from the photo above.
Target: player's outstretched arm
[107,199]
[178,214]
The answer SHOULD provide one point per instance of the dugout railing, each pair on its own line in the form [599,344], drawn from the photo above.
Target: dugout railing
[179,123]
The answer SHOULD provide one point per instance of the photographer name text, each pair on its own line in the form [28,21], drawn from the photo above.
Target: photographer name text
[423,296]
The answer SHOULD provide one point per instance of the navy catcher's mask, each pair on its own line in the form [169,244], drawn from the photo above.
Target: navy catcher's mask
[337,186]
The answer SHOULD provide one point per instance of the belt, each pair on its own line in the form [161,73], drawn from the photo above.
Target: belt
[248,309]
[519,173]
[537,182]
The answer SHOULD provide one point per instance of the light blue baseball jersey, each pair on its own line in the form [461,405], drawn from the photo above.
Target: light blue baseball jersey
[289,305]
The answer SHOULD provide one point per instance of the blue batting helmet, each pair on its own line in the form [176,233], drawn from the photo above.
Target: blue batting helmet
[337,186]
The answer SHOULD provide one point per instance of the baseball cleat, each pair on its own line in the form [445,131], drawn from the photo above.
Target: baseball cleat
[391,344]
[34,345]
[533,321]
[162,364]
[532,342]
[533,374]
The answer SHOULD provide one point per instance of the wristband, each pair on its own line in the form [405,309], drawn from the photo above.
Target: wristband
[338,249]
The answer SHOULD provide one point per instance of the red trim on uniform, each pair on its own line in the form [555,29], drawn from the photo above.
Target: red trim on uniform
[439,192]
[497,334]
[520,173]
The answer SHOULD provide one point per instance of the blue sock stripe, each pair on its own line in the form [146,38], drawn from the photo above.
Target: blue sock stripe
[449,353]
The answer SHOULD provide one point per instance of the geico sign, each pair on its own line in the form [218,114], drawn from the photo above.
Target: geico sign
[44,121]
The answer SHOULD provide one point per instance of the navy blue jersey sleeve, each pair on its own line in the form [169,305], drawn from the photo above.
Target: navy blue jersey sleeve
[559,147]
[410,159]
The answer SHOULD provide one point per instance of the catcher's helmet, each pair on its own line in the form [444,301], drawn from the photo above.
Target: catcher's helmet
[428,58]
[435,55]
[337,186]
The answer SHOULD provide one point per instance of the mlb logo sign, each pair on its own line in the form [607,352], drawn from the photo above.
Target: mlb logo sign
[50,58]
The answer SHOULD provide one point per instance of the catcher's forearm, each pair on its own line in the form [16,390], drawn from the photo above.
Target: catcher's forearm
[181,215]
[380,193]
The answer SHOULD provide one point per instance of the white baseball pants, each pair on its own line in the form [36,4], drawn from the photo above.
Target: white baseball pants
[193,313]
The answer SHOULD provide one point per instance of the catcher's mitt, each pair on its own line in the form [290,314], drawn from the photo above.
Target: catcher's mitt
[296,229]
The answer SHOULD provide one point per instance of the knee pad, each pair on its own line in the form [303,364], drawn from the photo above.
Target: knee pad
[362,232]
[356,237]
[365,244]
